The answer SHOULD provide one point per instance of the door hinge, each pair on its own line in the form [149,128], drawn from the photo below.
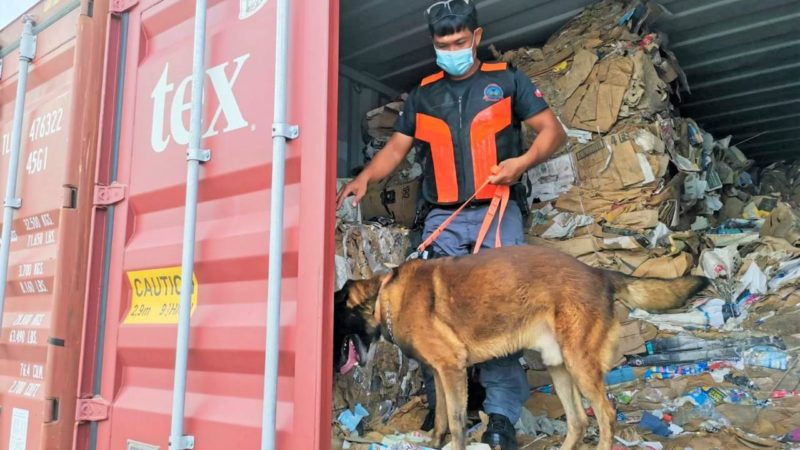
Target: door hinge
[120,6]
[94,409]
[109,195]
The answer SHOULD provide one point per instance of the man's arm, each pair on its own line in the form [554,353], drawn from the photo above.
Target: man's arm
[383,164]
[549,137]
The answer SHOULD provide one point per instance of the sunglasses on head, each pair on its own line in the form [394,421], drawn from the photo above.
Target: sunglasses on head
[442,9]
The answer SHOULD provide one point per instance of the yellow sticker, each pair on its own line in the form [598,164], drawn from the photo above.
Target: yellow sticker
[156,295]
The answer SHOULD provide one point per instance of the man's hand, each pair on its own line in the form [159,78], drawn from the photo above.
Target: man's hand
[356,188]
[384,163]
[510,171]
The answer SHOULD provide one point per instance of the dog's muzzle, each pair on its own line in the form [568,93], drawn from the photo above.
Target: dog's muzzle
[352,353]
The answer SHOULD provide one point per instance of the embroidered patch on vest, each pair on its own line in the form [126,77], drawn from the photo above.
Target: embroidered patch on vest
[493,93]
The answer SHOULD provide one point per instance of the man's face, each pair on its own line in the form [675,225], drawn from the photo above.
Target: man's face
[458,41]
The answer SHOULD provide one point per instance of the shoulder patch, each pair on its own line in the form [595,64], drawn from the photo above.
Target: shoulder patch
[494,67]
[432,78]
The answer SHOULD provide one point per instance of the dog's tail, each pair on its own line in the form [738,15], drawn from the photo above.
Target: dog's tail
[655,294]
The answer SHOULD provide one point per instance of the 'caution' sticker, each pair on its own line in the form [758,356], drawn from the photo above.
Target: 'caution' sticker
[156,295]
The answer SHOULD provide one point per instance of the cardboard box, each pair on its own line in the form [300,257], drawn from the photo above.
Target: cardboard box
[394,200]
[609,165]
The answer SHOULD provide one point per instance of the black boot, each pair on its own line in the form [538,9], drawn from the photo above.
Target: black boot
[500,433]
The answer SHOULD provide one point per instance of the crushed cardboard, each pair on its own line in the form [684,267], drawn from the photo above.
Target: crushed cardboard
[638,190]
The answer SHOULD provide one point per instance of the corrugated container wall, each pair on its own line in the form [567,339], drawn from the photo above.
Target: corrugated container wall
[355,100]
[45,285]
[136,243]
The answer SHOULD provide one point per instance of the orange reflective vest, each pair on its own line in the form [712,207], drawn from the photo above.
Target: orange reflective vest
[465,129]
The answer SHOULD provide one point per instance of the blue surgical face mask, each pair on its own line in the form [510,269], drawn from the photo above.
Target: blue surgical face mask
[455,62]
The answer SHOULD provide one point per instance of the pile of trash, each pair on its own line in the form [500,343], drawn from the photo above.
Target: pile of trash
[381,401]
[643,191]
[632,171]
[374,235]
[365,249]
[378,128]
[780,178]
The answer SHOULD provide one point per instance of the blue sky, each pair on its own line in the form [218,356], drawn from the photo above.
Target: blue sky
[10,10]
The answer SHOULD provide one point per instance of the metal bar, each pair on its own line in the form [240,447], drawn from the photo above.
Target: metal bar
[27,50]
[740,75]
[701,8]
[731,125]
[750,24]
[395,39]
[109,226]
[750,138]
[367,80]
[742,54]
[699,118]
[538,25]
[281,131]
[749,149]
[767,130]
[43,25]
[741,94]
[177,440]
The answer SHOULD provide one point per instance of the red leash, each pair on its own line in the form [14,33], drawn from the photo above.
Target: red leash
[499,202]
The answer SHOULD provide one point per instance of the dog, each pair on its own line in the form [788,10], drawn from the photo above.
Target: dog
[451,313]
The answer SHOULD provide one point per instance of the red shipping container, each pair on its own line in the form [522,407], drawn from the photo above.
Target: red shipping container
[45,286]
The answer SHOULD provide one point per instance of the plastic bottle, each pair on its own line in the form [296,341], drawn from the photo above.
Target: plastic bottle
[769,357]
[704,412]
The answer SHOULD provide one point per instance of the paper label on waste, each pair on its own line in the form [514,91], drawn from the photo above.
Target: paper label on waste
[712,203]
[581,135]
[551,179]
[565,224]
[621,242]
[713,180]
[156,295]
[647,170]
[648,142]
[627,165]
[684,164]
[18,436]
[719,262]
[694,187]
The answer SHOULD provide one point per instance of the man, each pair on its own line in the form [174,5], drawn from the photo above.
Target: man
[467,119]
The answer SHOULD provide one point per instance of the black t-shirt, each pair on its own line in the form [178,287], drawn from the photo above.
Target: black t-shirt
[527,100]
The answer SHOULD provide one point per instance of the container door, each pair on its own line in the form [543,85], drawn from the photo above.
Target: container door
[40,342]
[135,307]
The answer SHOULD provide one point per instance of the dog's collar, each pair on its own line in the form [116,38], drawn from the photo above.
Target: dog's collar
[389,321]
[379,310]
[379,316]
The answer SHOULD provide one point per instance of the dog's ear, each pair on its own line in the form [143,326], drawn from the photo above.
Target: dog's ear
[388,277]
[363,292]
[341,295]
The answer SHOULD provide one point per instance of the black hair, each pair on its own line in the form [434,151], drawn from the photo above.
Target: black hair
[446,24]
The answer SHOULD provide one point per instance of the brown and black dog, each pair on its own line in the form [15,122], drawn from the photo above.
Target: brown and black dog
[451,313]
